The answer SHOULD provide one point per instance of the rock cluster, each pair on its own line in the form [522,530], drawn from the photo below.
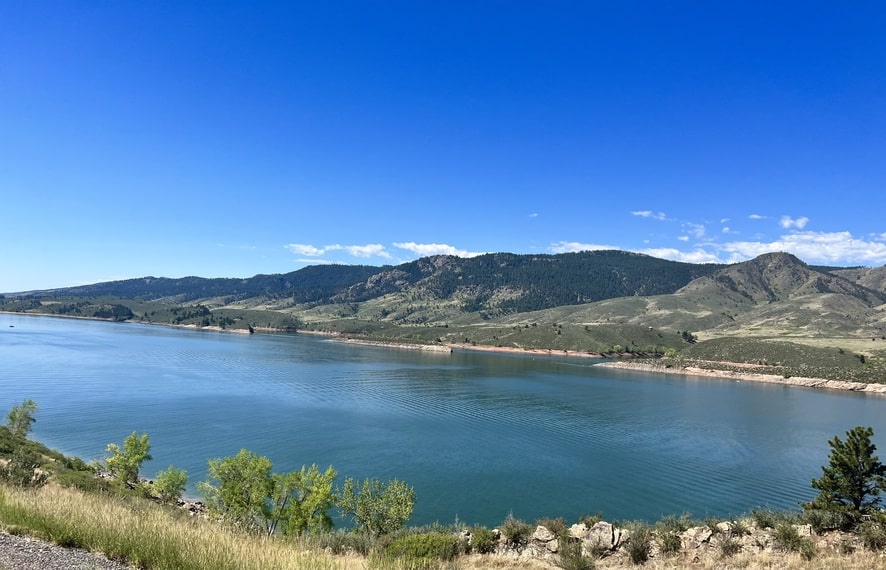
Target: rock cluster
[603,539]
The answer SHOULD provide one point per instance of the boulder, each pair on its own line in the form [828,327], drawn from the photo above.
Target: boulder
[542,534]
[696,536]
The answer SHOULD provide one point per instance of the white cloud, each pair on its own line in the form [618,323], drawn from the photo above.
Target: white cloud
[364,251]
[368,250]
[724,220]
[696,256]
[756,217]
[574,246]
[533,215]
[788,222]
[650,214]
[696,230]
[815,247]
[305,249]
[683,238]
[426,249]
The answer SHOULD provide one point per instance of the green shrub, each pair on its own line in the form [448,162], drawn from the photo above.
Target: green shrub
[170,484]
[873,536]
[516,532]
[430,546]
[729,547]
[483,540]
[22,469]
[669,543]
[571,556]
[823,520]
[767,518]
[556,526]
[674,524]
[738,528]
[787,537]
[590,520]
[639,543]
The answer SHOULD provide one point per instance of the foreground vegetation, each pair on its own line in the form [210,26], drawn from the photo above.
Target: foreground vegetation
[255,518]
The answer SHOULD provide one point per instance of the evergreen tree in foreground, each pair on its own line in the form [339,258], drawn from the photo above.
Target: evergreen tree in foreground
[854,478]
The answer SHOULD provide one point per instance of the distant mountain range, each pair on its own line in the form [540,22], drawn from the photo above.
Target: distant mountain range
[772,295]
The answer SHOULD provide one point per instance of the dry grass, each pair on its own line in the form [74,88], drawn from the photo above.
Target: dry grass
[148,536]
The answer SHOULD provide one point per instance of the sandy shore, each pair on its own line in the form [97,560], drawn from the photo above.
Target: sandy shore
[751,377]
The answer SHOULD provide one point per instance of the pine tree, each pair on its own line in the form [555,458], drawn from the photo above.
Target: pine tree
[852,481]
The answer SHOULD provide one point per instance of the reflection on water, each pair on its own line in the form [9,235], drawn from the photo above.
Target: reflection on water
[479,435]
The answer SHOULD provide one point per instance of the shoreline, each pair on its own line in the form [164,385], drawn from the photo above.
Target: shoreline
[795,381]
[619,362]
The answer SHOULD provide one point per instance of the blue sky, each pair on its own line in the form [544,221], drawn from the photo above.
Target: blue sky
[226,139]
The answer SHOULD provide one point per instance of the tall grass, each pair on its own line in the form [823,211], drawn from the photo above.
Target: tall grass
[146,535]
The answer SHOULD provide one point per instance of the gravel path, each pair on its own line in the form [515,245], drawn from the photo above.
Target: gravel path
[25,553]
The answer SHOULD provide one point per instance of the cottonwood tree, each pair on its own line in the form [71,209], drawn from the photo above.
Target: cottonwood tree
[21,418]
[378,508]
[240,493]
[854,478]
[170,484]
[301,500]
[244,492]
[124,463]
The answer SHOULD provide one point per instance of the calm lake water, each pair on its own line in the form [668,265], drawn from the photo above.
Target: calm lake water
[478,435]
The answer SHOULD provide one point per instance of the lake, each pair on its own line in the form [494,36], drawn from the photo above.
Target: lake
[479,435]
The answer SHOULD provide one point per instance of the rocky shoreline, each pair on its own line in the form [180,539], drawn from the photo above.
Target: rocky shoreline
[800,381]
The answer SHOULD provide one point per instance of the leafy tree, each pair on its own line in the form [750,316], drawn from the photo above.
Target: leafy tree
[853,479]
[170,484]
[243,487]
[21,417]
[378,508]
[301,501]
[248,495]
[124,464]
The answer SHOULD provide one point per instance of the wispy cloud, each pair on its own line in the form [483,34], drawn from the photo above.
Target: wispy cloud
[368,250]
[695,230]
[305,249]
[574,246]
[788,222]
[694,256]
[757,217]
[650,214]
[533,215]
[425,249]
[363,251]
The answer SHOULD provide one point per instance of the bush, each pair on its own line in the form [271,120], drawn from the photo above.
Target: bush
[639,543]
[873,536]
[767,518]
[556,526]
[787,537]
[378,508]
[170,484]
[425,546]
[483,540]
[739,528]
[516,532]
[729,547]
[571,556]
[22,469]
[669,543]
[822,520]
